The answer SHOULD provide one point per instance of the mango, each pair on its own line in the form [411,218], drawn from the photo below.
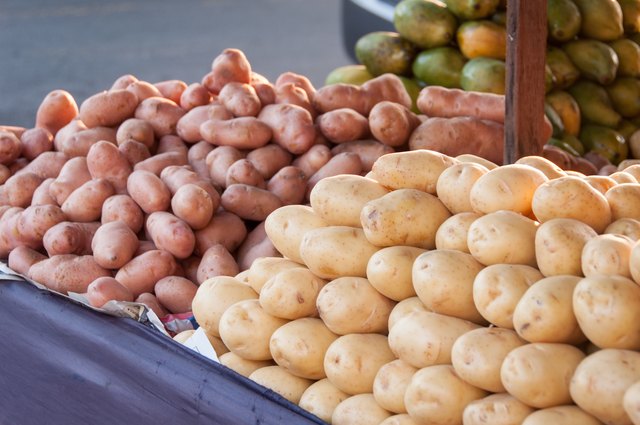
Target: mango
[554,141]
[412,87]
[440,66]
[484,75]
[384,52]
[472,9]
[596,60]
[630,15]
[349,74]
[425,23]
[567,109]
[626,129]
[605,141]
[563,20]
[482,38]
[564,71]
[625,96]
[500,18]
[554,118]
[595,104]
[574,142]
[601,19]
[628,53]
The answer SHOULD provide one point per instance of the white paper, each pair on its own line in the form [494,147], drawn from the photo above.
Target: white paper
[199,342]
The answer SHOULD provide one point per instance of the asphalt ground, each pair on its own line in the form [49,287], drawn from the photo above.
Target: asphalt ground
[82,46]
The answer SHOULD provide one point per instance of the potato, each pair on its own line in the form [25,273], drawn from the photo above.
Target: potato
[134,152]
[193,96]
[607,254]
[601,380]
[5,173]
[230,65]
[436,395]
[559,243]
[35,141]
[216,261]
[243,171]
[342,163]
[622,177]
[545,312]
[390,384]
[175,293]
[424,338]
[269,159]
[60,139]
[492,237]
[498,409]
[264,269]
[18,190]
[183,336]
[105,289]
[246,319]
[477,356]
[550,169]
[343,125]
[73,174]
[625,226]
[601,183]
[352,361]
[606,308]
[389,271]
[454,231]
[143,90]
[392,123]
[105,161]
[418,169]
[339,199]
[454,185]
[282,382]
[124,208]
[403,308]
[287,225]
[85,203]
[46,165]
[71,238]
[321,399]
[401,419]
[218,162]
[188,126]
[21,258]
[289,185]
[240,99]
[56,110]
[498,288]
[292,126]
[631,402]
[403,217]
[171,89]
[214,296]
[148,191]
[566,415]
[151,302]
[175,176]
[143,271]
[443,280]
[79,143]
[367,311]
[240,132]
[360,409]
[334,251]
[170,233]
[572,197]
[291,294]
[314,159]
[468,157]
[67,273]
[300,346]
[368,150]
[156,163]
[136,129]
[539,374]
[624,200]
[32,223]
[224,228]
[290,93]
[163,114]
[242,366]
[192,204]
[108,108]
[249,202]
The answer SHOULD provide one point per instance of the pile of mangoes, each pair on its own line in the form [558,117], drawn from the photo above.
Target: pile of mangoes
[592,71]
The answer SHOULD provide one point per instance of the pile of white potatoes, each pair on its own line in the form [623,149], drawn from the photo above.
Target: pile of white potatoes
[440,290]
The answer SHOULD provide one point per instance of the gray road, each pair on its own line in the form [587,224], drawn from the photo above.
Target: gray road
[82,46]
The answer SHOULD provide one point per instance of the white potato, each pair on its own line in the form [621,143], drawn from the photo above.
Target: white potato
[550,169]
[389,271]
[454,185]
[359,409]
[264,268]
[559,243]
[624,200]
[468,157]
[287,225]
[282,382]
[291,294]
[607,254]
[321,398]
[625,226]
[403,308]
[496,409]
[243,366]
[561,415]
[453,233]
[390,384]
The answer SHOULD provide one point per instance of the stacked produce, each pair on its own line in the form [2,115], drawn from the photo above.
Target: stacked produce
[592,64]
[445,290]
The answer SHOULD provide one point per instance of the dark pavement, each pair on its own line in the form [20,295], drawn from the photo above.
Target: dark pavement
[82,46]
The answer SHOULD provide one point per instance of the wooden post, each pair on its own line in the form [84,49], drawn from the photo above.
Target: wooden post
[526,52]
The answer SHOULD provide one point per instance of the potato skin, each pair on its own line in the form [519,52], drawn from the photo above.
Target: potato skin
[18,190]
[67,273]
[256,245]
[171,89]
[249,202]
[124,208]
[10,147]
[244,132]
[148,191]
[171,234]
[136,129]
[108,108]
[230,65]
[292,126]
[193,205]
[188,126]
[269,159]
[104,160]
[142,272]
[56,110]
[114,244]
[218,162]
[36,141]
[225,228]
[105,289]
[392,123]
[70,238]
[240,99]
[216,261]
[21,258]
[175,293]
[289,185]
[313,159]
[85,203]
[73,174]
[342,163]
[368,150]
[163,114]
[343,125]
[193,96]
[79,143]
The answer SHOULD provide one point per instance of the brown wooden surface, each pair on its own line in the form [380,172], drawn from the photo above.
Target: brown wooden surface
[526,49]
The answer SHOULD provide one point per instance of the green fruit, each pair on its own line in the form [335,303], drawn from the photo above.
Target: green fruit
[563,20]
[628,53]
[601,19]
[564,71]
[425,23]
[472,9]
[630,15]
[484,75]
[554,141]
[384,52]
[595,104]
[605,141]
[482,38]
[441,66]
[625,96]
[596,60]
[500,18]
[574,142]
[555,119]
[626,129]
[348,74]
[412,87]
[549,79]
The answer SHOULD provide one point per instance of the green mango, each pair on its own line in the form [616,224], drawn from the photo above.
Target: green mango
[549,79]
[426,24]
[563,20]
[500,18]
[625,96]
[601,19]
[595,104]
[596,60]
[472,9]
[412,87]
[605,141]
[554,141]
[574,142]
[626,128]
[628,52]
[555,119]
[630,15]
[348,74]
[440,66]
[385,52]
[564,71]
[484,75]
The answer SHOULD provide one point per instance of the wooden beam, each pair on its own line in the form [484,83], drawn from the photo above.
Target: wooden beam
[526,52]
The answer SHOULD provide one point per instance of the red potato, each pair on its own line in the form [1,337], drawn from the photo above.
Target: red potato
[60,138]
[229,66]
[134,152]
[105,289]
[125,209]
[46,165]
[175,293]
[177,176]
[190,267]
[240,99]
[70,238]
[10,147]
[156,163]
[368,150]
[312,160]
[36,141]
[138,130]
[197,157]
[225,228]
[257,78]
[67,273]
[297,80]
[266,92]
[18,165]
[292,94]
[163,114]
[123,81]
[217,111]
[85,203]
[343,125]
[249,202]
[73,174]
[256,245]
[171,89]
[171,234]
[217,261]
[292,126]
[171,143]
[143,90]
[218,162]
[5,173]
[10,236]
[243,171]
[18,190]
[78,144]
[105,161]
[188,127]
[114,244]
[193,96]
[148,191]
[32,223]
[108,108]
[289,185]
[143,271]
[56,110]
[385,87]
[240,133]
[42,196]
[21,258]
[392,123]
[17,131]
[342,163]
[269,159]
[145,246]
[152,303]
[193,205]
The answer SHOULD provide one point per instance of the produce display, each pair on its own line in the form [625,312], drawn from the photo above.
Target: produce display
[591,74]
